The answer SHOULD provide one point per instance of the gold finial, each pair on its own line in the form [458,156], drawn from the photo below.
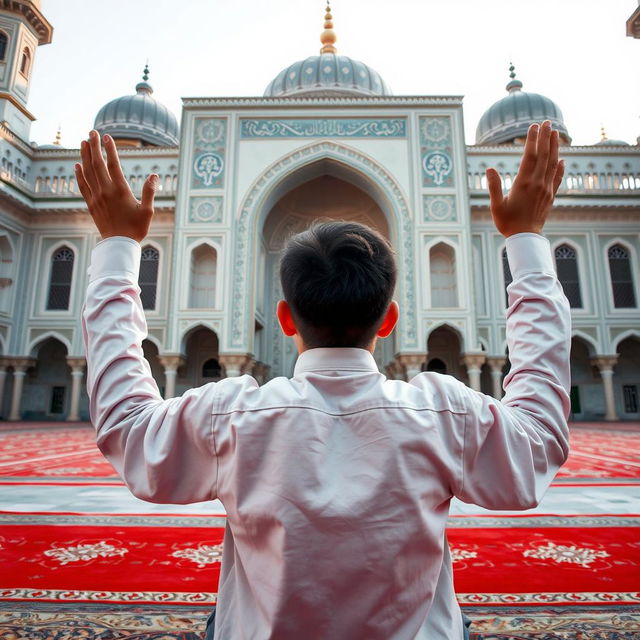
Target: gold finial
[603,134]
[328,36]
[58,139]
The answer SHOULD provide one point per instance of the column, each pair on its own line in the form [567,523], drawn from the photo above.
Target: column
[410,364]
[473,362]
[605,364]
[4,363]
[497,365]
[77,372]
[20,366]
[171,364]
[236,364]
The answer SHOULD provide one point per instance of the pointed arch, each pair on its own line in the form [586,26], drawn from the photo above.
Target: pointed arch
[203,276]
[294,169]
[621,263]
[36,343]
[60,278]
[566,259]
[443,278]
[630,333]
[148,275]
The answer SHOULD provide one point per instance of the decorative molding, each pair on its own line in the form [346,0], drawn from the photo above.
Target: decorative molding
[208,155]
[439,209]
[206,209]
[390,101]
[436,151]
[250,210]
[323,128]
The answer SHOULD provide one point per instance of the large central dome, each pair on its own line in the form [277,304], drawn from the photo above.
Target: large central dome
[327,74]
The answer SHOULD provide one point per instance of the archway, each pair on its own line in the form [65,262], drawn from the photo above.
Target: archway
[47,388]
[329,193]
[627,379]
[200,349]
[150,351]
[587,397]
[444,352]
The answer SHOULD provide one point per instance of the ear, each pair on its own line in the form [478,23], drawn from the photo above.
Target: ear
[390,320]
[283,311]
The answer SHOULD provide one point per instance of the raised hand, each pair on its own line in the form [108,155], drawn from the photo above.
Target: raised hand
[527,206]
[112,205]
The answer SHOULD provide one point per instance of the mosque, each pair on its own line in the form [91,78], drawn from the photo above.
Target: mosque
[239,175]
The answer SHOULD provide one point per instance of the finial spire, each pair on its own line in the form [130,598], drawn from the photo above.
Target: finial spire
[514,84]
[58,140]
[328,36]
[603,134]
[144,86]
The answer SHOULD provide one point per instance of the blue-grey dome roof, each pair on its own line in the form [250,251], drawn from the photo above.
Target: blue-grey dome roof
[138,117]
[608,142]
[327,75]
[511,117]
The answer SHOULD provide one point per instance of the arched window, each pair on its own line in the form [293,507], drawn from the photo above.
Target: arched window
[202,293]
[442,263]
[211,369]
[624,296]
[60,280]
[506,274]
[148,279]
[4,40]
[567,267]
[25,62]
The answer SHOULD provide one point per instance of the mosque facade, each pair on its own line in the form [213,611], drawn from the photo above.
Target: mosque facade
[327,140]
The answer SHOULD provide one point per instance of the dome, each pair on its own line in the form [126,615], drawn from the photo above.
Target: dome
[327,74]
[609,142]
[511,117]
[138,117]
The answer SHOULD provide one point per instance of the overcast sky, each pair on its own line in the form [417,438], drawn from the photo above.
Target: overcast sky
[573,51]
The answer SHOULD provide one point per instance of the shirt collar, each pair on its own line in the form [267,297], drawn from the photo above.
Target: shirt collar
[335,359]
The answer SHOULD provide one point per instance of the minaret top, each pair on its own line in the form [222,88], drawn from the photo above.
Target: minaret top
[514,84]
[328,36]
[58,140]
[144,86]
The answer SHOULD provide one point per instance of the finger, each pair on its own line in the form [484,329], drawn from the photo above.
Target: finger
[83,185]
[529,155]
[149,191]
[542,151]
[97,161]
[87,166]
[113,163]
[552,164]
[495,188]
[557,179]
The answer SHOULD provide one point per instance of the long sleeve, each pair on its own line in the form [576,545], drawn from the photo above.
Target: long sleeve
[162,449]
[514,447]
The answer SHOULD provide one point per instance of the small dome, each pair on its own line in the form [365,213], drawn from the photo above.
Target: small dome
[138,117]
[510,118]
[608,142]
[327,74]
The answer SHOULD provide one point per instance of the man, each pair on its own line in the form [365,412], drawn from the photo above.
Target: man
[336,482]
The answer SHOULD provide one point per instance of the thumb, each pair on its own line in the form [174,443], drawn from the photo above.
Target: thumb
[149,191]
[495,188]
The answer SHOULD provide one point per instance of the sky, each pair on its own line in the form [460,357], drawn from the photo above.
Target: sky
[573,51]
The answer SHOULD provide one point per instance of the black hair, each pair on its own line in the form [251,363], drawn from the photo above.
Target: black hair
[338,279]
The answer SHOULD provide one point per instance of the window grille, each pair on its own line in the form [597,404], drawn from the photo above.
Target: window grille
[567,267]
[624,296]
[630,393]
[506,273]
[3,45]
[148,279]
[60,281]
[57,400]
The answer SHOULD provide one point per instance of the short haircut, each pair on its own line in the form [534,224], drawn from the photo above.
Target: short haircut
[338,279]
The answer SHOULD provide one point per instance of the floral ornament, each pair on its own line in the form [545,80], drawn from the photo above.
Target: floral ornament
[462,554]
[561,553]
[83,552]
[202,555]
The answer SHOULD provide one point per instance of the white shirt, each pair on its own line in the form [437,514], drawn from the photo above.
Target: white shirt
[336,482]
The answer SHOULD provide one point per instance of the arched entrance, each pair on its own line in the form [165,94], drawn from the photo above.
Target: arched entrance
[150,351]
[587,397]
[200,346]
[47,388]
[627,379]
[444,352]
[329,192]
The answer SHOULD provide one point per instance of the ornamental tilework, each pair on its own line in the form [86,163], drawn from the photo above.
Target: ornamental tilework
[436,151]
[324,128]
[439,209]
[205,209]
[208,156]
